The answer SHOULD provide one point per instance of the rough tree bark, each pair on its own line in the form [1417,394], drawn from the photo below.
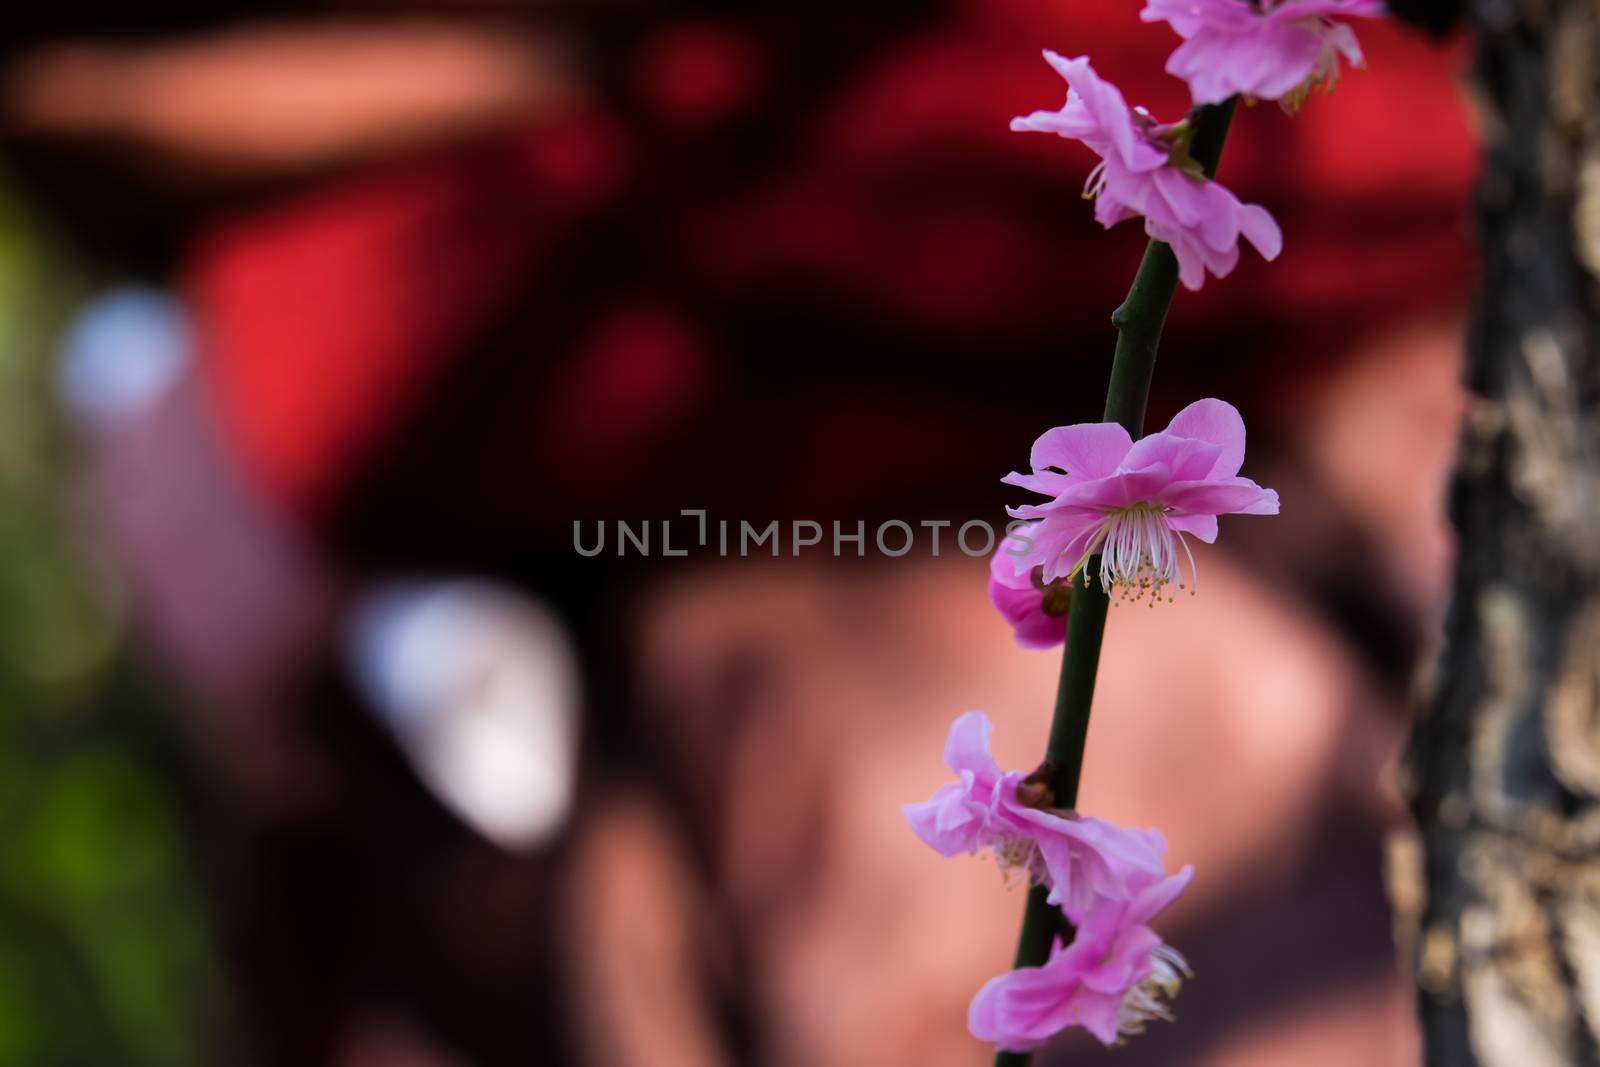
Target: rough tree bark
[1504,768]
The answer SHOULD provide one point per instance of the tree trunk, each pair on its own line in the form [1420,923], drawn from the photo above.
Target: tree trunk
[1504,767]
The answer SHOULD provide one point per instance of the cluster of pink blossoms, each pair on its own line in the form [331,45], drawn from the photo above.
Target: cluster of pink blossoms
[1131,505]
[1145,169]
[1116,974]
[1259,49]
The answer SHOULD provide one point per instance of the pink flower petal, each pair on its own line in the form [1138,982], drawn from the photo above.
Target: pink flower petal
[1188,17]
[1124,967]
[1101,1015]
[1085,451]
[1045,483]
[1155,898]
[1020,1010]
[1261,230]
[1202,526]
[1230,496]
[1191,254]
[1103,102]
[1120,490]
[1020,602]
[947,823]
[1267,52]
[1185,458]
[1303,9]
[1059,543]
[968,747]
[1219,423]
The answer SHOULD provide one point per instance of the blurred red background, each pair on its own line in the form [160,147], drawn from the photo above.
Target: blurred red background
[448,281]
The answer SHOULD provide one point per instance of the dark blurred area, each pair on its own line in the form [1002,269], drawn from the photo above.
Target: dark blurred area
[324,324]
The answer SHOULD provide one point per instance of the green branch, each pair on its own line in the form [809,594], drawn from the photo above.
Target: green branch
[1139,321]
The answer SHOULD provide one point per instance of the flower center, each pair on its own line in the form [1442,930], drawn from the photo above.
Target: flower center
[1013,853]
[1055,598]
[1324,74]
[1173,138]
[1138,554]
[1176,139]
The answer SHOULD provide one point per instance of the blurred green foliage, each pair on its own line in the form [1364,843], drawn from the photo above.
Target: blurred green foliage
[106,945]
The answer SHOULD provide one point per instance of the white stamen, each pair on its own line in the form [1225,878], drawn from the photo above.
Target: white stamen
[1149,999]
[1095,182]
[1139,553]
[1019,854]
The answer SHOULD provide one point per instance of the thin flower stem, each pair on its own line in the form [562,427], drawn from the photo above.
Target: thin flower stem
[1139,321]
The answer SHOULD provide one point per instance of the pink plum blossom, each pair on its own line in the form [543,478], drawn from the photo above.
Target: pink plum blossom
[1037,612]
[1134,502]
[1145,170]
[1263,49]
[1116,976]
[1082,860]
